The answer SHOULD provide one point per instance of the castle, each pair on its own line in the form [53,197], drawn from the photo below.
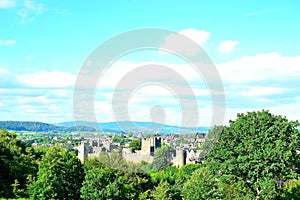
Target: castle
[94,146]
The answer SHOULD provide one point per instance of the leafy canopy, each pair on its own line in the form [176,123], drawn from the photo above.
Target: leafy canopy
[60,176]
[259,147]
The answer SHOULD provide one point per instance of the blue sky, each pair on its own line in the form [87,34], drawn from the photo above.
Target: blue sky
[255,46]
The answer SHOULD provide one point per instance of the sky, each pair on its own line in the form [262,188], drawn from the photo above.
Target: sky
[254,45]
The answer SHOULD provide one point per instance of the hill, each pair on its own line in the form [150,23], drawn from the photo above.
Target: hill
[40,127]
[116,127]
[128,126]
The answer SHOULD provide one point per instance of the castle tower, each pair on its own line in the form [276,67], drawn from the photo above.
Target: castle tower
[83,150]
[180,159]
[150,144]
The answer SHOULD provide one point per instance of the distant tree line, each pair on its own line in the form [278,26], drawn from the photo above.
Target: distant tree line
[255,157]
[41,127]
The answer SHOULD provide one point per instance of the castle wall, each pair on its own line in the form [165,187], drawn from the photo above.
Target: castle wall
[137,157]
[146,154]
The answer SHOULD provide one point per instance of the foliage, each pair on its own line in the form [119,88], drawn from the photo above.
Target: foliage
[261,149]
[122,139]
[90,163]
[201,185]
[175,177]
[135,183]
[231,187]
[253,158]
[162,191]
[104,183]
[162,157]
[140,182]
[292,189]
[17,161]
[212,138]
[136,144]
[60,176]
[113,160]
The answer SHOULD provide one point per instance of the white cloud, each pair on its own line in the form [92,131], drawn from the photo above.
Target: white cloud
[7,3]
[61,93]
[290,110]
[30,10]
[35,100]
[120,69]
[39,8]
[8,42]
[262,91]
[178,42]
[44,79]
[3,71]
[226,47]
[260,67]
[256,13]
[199,36]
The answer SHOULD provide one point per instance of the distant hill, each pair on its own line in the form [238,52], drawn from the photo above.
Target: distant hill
[40,127]
[27,126]
[127,126]
[116,127]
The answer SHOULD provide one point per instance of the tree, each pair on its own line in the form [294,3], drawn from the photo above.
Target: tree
[113,160]
[201,185]
[105,183]
[18,162]
[136,144]
[162,157]
[162,191]
[261,149]
[212,138]
[292,189]
[60,176]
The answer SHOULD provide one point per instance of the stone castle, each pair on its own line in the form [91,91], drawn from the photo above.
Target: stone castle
[94,146]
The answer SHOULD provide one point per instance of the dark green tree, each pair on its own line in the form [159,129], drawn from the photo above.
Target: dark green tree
[60,176]
[18,162]
[105,183]
[261,149]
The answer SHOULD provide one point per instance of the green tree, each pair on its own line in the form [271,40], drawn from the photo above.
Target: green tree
[162,157]
[261,149]
[139,182]
[136,144]
[212,138]
[291,189]
[18,162]
[201,185]
[162,191]
[105,183]
[113,160]
[60,176]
